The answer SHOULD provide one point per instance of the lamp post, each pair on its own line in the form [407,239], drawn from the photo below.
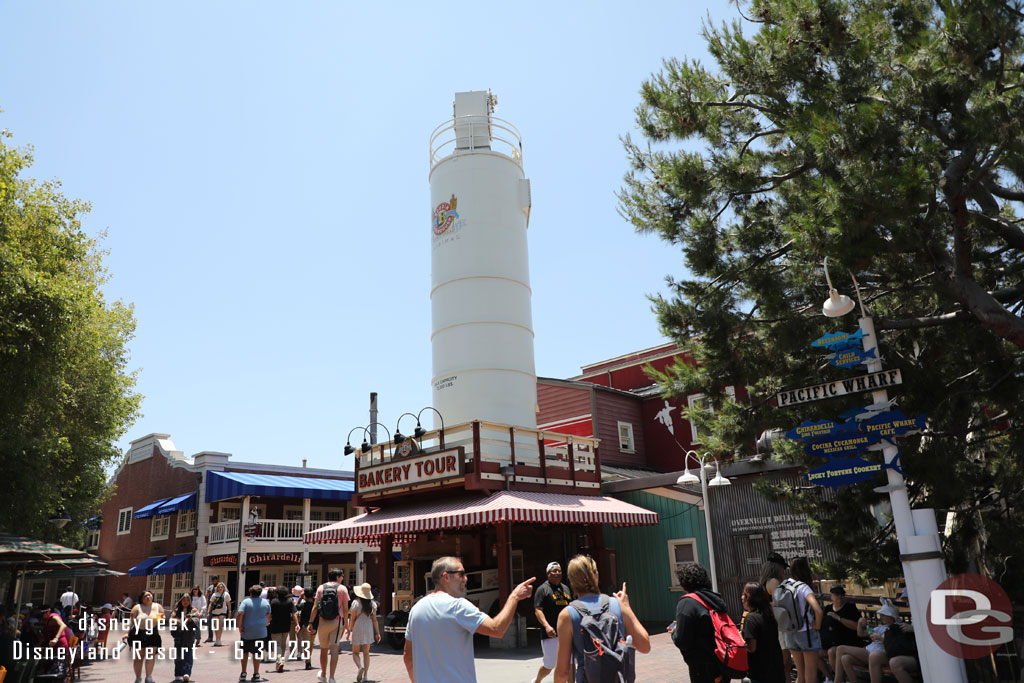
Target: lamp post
[916,531]
[718,480]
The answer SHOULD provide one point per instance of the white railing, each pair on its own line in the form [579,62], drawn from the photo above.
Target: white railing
[270,530]
[471,133]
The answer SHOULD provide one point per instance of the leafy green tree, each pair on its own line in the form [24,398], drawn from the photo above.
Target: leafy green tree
[888,136]
[65,394]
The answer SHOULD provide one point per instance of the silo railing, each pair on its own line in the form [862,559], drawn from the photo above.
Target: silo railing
[468,134]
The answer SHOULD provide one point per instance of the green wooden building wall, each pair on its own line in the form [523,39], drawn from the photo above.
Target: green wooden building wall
[641,553]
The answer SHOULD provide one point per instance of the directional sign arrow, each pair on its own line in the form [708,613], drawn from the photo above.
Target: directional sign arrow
[848,357]
[821,428]
[840,445]
[835,340]
[893,423]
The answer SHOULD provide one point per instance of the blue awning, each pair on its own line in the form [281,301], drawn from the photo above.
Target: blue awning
[93,523]
[185,501]
[179,564]
[223,485]
[149,510]
[144,568]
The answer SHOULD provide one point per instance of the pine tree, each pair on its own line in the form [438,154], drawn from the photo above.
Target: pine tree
[887,136]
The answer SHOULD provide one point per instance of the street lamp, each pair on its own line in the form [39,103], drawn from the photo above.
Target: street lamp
[719,480]
[60,519]
[916,531]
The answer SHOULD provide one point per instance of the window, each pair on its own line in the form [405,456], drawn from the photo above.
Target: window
[229,512]
[290,579]
[697,402]
[37,594]
[155,585]
[161,527]
[680,551]
[333,515]
[92,539]
[182,585]
[293,514]
[186,520]
[268,578]
[626,437]
[124,521]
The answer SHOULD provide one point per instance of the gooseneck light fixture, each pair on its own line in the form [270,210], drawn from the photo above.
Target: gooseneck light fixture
[419,432]
[349,450]
[691,478]
[837,304]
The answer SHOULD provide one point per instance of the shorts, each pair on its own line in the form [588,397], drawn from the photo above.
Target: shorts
[146,639]
[327,635]
[254,646]
[549,646]
[797,641]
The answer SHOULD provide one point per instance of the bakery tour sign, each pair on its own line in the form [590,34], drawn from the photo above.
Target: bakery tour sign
[415,470]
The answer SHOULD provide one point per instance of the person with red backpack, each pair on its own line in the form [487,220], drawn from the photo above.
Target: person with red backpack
[710,642]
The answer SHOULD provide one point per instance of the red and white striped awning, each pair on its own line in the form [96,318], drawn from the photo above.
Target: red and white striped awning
[503,506]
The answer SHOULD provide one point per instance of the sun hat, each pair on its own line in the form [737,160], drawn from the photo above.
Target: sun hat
[552,565]
[108,606]
[297,591]
[364,591]
[889,611]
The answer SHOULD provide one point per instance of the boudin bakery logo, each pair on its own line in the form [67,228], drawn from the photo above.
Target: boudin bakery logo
[444,215]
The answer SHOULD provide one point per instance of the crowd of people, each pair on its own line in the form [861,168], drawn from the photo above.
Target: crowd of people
[784,626]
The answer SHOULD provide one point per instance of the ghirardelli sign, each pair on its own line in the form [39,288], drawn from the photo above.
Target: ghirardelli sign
[220,560]
[433,468]
[253,559]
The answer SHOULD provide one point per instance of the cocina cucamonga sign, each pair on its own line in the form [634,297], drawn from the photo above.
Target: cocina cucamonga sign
[842,387]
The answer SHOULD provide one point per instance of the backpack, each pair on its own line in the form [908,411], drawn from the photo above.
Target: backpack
[730,648]
[329,603]
[611,660]
[785,606]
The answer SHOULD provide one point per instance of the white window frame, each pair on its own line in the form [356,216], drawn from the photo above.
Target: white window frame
[186,521]
[161,528]
[631,443]
[124,521]
[221,509]
[181,585]
[692,402]
[293,510]
[92,539]
[671,544]
[155,585]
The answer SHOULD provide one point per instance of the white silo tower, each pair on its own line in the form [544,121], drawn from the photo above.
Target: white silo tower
[482,335]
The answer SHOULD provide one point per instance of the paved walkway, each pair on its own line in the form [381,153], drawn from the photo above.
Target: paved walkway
[219,665]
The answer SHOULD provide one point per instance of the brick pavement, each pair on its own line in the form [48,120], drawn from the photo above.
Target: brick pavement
[219,665]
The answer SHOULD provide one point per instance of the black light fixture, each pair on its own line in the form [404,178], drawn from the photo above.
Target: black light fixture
[349,450]
[420,431]
[399,436]
[60,519]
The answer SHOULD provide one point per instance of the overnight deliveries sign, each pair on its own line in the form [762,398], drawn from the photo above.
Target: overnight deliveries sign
[842,387]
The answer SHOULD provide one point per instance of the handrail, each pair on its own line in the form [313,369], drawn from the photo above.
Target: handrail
[509,141]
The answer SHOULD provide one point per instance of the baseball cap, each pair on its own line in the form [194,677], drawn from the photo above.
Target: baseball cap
[552,565]
[838,589]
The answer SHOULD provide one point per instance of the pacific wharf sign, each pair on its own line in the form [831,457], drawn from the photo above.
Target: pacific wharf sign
[432,468]
[842,387]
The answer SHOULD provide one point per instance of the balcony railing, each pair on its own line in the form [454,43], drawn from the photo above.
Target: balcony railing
[270,530]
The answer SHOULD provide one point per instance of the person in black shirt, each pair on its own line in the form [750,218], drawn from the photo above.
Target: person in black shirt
[693,633]
[550,598]
[305,638]
[839,626]
[284,620]
[761,632]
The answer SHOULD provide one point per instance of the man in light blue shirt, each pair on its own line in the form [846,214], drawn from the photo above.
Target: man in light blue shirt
[253,617]
[439,637]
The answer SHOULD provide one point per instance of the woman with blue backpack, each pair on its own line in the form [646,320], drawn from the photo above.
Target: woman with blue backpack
[599,633]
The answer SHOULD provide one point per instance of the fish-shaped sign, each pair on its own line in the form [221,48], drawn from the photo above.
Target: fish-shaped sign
[814,430]
[836,473]
[841,445]
[867,412]
[893,423]
[848,357]
[838,340]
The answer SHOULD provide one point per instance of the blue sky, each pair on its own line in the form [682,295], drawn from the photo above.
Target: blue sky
[261,172]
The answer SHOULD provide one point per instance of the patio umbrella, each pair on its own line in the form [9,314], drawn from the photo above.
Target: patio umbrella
[21,553]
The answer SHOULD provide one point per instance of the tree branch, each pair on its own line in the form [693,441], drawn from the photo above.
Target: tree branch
[1005,193]
[759,135]
[1013,235]
[740,103]
[918,323]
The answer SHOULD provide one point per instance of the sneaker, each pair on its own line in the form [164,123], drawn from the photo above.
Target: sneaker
[243,676]
[320,677]
[256,677]
[332,681]
[185,678]
[217,643]
[280,667]
[309,666]
[138,679]
[149,679]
